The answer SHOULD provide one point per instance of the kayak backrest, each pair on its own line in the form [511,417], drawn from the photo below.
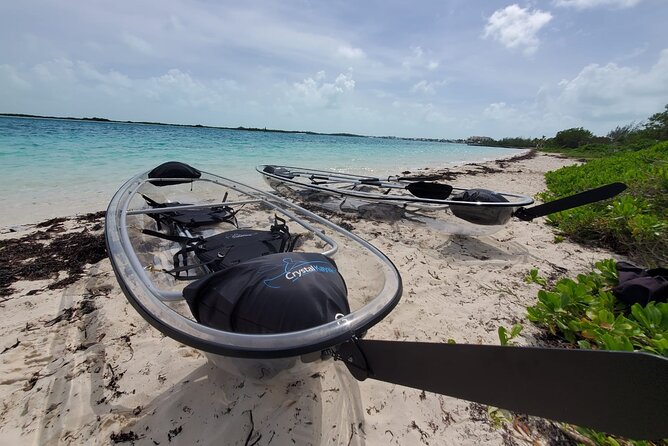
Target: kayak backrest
[173,169]
[280,171]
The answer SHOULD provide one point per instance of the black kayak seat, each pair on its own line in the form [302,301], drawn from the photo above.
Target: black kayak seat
[226,249]
[173,169]
[280,171]
[200,217]
[191,218]
[233,247]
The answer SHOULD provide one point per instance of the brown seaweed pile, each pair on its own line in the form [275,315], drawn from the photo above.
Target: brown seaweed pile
[52,249]
[471,169]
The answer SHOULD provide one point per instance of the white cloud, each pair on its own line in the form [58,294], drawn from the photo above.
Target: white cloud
[426,87]
[184,90]
[516,27]
[10,77]
[57,70]
[63,86]
[418,114]
[418,59]
[350,52]
[316,92]
[586,4]
[500,111]
[598,98]
[612,92]
[137,44]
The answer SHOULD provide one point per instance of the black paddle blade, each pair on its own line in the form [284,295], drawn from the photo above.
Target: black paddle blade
[424,189]
[573,201]
[621,393]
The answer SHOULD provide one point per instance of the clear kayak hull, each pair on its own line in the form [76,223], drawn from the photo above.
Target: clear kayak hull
[445,208]
[140,262]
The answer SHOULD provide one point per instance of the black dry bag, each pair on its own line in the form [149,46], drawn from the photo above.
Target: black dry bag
[482,215]
[275,293]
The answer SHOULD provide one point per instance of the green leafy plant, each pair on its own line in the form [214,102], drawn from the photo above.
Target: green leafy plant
[586,313]
[506,337]
[636,222]
[534,277]
[498,416]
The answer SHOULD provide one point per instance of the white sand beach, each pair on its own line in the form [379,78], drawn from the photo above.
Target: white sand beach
[78,365]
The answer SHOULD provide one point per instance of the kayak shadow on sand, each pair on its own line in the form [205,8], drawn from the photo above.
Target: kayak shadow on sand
[105,389]
[350,207]
[212,406]
[483,249]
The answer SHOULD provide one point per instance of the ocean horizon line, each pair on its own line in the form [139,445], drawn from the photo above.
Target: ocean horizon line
[239,128]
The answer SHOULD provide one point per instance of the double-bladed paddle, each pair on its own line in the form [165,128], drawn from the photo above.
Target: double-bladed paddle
[621,393]
[439,191]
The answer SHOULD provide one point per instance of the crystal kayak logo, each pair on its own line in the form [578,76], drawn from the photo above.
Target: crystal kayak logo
[293,271]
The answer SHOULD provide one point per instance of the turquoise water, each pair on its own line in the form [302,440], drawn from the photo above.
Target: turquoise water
[52,167]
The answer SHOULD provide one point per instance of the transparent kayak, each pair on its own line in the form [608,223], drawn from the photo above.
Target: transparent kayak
[144,267]
[448,208]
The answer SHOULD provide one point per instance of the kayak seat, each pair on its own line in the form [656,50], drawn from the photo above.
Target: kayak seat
[192,218]
[280,171]
[229,248]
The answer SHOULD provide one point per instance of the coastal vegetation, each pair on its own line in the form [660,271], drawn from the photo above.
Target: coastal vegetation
[582,143]
[584,312]
[636,223]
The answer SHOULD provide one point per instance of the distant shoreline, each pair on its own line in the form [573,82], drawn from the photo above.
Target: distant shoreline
[247,129]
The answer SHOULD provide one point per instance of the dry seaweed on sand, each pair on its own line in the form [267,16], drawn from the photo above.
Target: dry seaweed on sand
[50,250]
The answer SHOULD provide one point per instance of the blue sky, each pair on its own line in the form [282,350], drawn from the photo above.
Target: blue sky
[439,69]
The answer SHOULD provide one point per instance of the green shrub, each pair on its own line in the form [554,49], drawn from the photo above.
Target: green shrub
[636,222]
[572,138]
[585,312]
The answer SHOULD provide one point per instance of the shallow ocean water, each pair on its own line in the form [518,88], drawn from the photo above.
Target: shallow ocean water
[59,167]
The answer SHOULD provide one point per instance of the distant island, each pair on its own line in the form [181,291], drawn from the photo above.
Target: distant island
[475,140]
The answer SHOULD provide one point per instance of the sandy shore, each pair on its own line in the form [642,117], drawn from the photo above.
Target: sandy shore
[79,366]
